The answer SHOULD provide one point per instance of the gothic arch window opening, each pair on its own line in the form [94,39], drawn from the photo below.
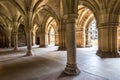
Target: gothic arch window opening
[83,22]
[93,33]
[51,36]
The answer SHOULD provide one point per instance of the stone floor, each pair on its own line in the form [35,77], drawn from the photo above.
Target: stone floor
[48,64]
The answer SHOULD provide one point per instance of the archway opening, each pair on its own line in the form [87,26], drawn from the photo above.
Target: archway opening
[51,36]
[92,34]
[51,32]
[119,34]
[86,30]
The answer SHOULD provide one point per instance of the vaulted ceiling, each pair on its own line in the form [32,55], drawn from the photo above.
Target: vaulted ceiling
[20,10]
[110,9]
[24,11]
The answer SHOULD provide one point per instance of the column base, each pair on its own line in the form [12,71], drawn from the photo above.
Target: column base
[15,49]
[71,70]
[61,49]
[56,45]
[42,46]
[80,46]
[29,53]
[108,54]
[88,46]
[9,46]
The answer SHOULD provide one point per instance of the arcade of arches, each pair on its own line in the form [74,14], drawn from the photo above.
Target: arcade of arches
[68,24]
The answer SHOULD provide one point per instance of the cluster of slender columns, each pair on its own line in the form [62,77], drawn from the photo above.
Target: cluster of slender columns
[62,36]
[71,67]
[33,38]
[108,40]
[15,41]
[56,39]
[29,43]
[9,41]
[80,37]
[119,38]
[42,39]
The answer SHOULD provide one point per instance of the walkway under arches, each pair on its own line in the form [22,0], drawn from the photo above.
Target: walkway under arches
[72,19]
[49,64]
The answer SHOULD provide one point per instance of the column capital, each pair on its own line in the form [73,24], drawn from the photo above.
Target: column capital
[70,18]
[71,69]
[108,24]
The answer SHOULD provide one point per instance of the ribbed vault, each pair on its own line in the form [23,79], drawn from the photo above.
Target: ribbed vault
[85,16]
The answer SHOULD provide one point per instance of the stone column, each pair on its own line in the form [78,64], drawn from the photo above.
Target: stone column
[33,39]
[42,40]
[56,39]
[71,67]
[3,40]
[119,37]
[62,38]
[80,39]
[29,43]
[108,40]
[15,41]
[9,41]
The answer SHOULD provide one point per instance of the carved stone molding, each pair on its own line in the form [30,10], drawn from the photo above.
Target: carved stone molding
[110,24]
[103,54]
[71,69]
[70,18]
[42,46]
[29,53]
